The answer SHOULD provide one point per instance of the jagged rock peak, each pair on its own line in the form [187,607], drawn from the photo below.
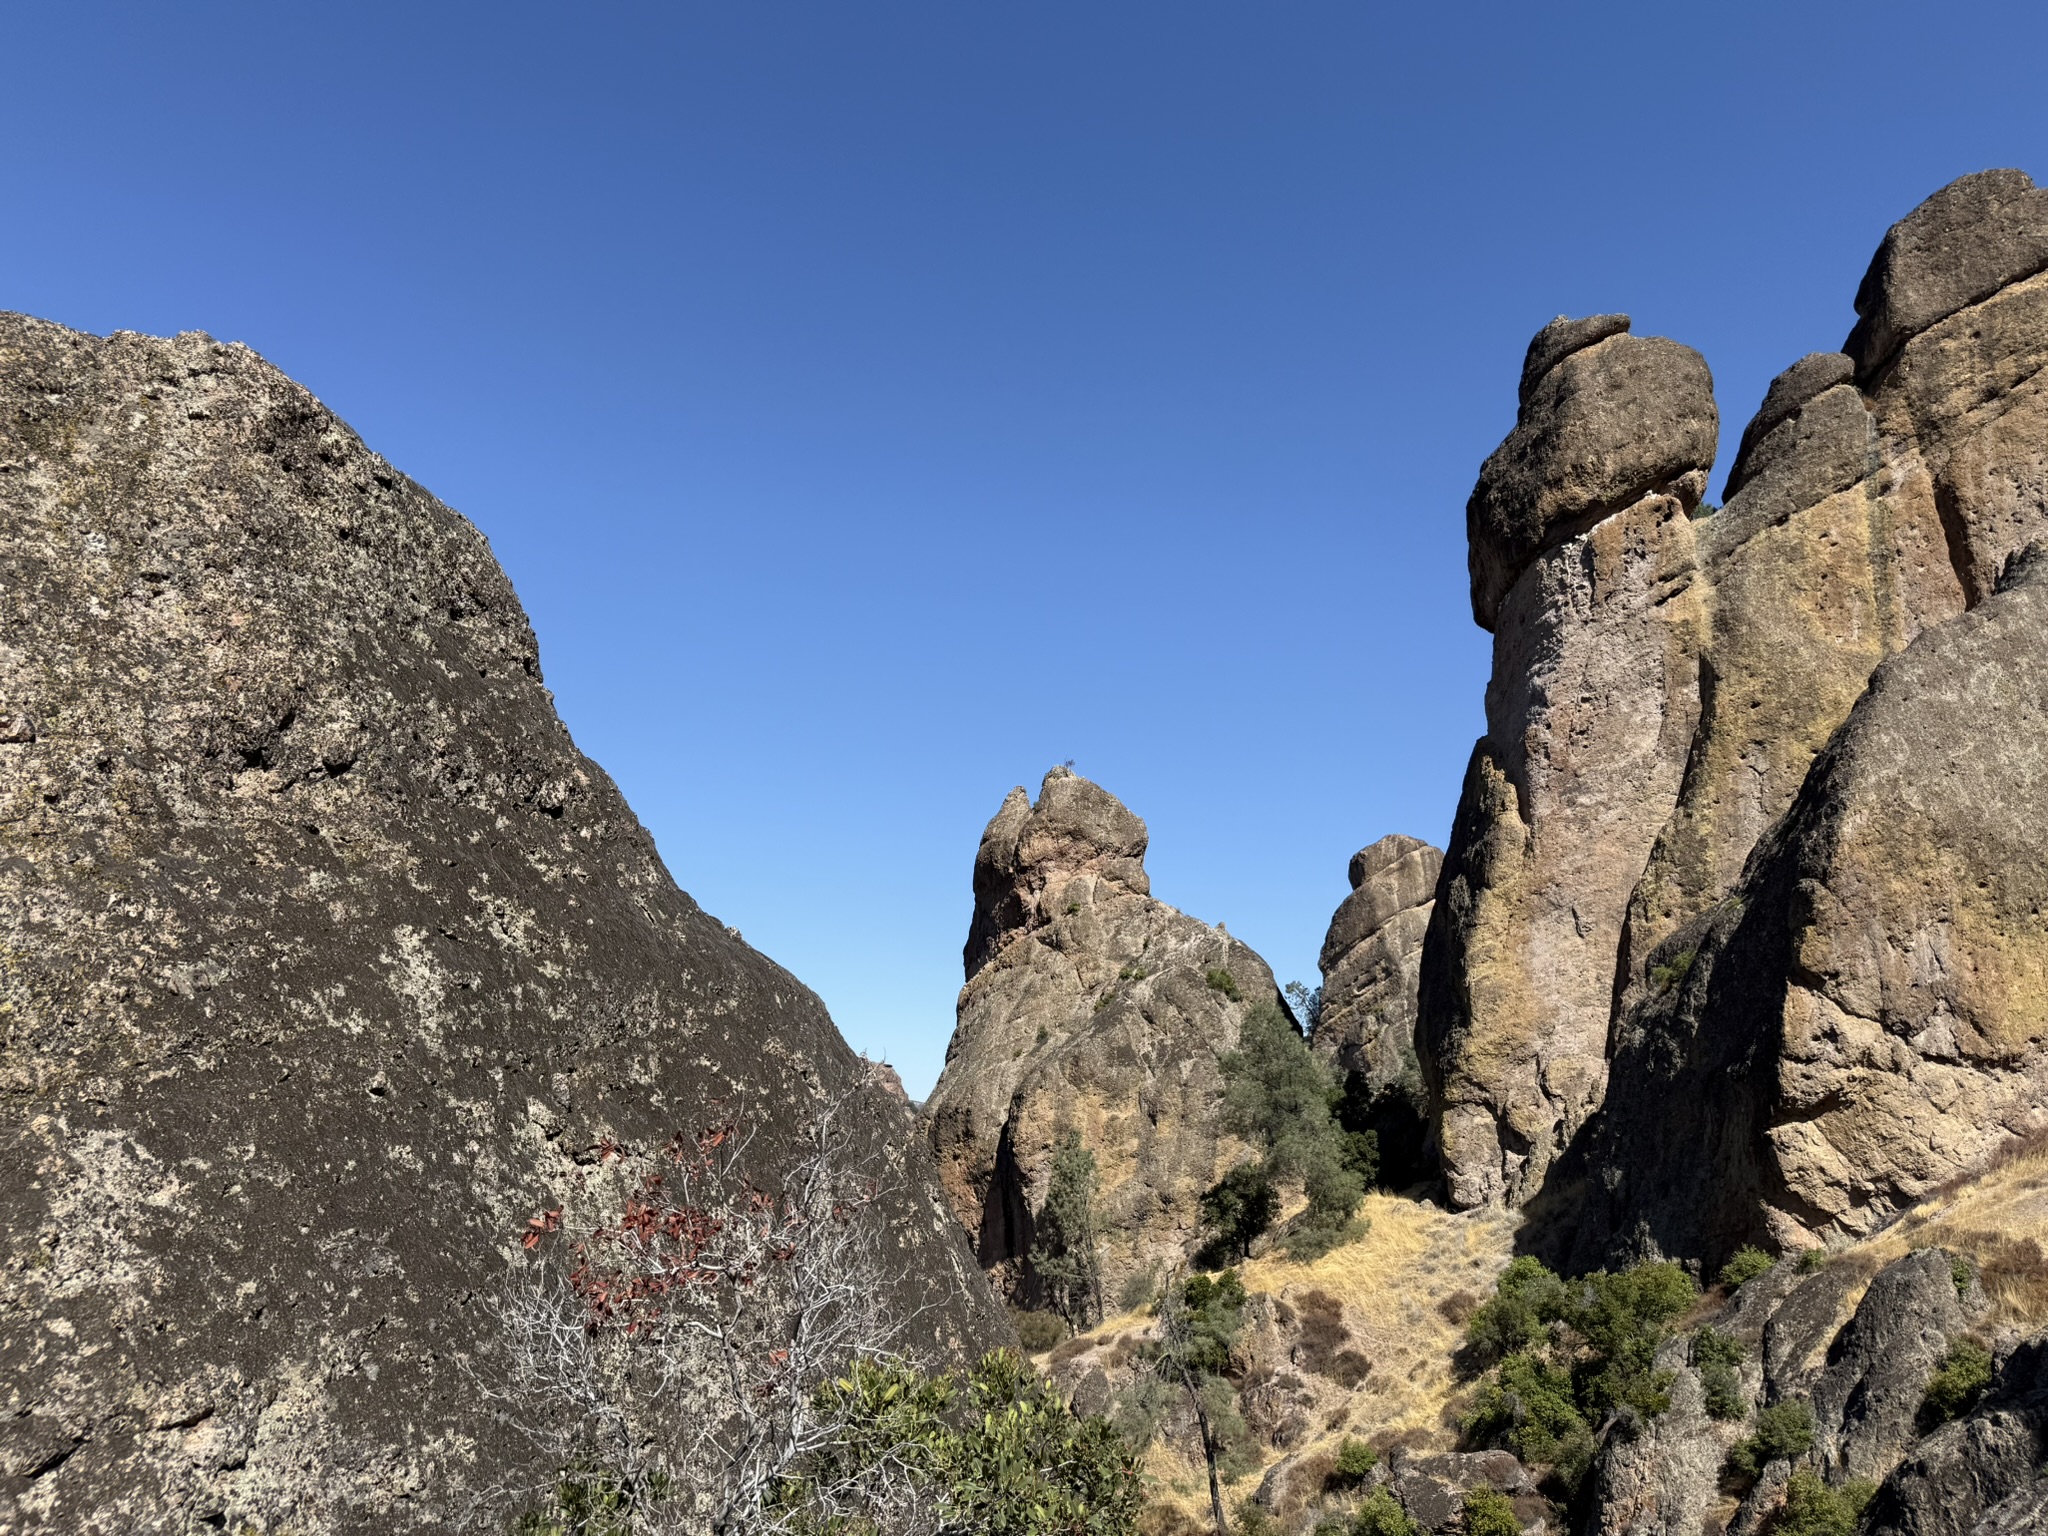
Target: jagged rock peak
[1030,853]
[1978,234]
[1606,418]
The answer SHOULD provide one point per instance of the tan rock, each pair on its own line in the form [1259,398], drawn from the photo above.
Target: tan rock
[1090,1007]
[1590,713]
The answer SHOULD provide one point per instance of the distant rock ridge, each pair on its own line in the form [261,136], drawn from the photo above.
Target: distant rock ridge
[1737,933]
[1092,1008]
[330,962]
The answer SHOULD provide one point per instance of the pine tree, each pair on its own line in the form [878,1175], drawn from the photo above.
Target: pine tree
[1063,1254]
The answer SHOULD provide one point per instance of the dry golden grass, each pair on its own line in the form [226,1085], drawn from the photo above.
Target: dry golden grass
[1407,1287]
[2000,1220]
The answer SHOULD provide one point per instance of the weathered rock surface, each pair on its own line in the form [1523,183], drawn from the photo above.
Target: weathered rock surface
[1089,1007]
[1592,705]
[1664,1480]
[1868,1397]
[1782,1010]
[1982,1475]
[1612,419]
[1371,967]
[327,958]
[1975,236]
[1432,1489]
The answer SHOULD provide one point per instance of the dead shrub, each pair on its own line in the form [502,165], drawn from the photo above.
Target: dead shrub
[1458,1307]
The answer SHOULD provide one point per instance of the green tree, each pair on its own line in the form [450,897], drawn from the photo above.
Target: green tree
[1489,1512]
[1716,1355]
[1380,1514]
[1280,1097]
[1063,1253]
[1957,1383]
[1198,1319]
[1239,1208]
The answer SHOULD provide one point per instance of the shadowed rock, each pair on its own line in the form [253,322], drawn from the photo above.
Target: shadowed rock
[330,960]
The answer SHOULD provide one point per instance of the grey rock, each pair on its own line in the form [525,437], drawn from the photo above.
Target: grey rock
[1088,1008]
[329,961]
[1558,341]
[1811,375]
[1432,1489]
[1802,1328]
[1979,1476]
[1975,236]
[1606,426]
[1822,446]
[1663,1481]
[1371,965]
[1868,1396]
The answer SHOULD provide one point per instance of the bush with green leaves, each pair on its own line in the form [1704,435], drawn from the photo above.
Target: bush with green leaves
[1745,1265]
[1354,1464]
[1063,1252]
[1715,1356]
[1280,1097]
[1037,1331]
[1222,981]
[1381,1514]
[1812,1508]
[1572,1359]
[588,1500]
[1489,1512]
[1783,1431]
[999,1451]
[1957,1383]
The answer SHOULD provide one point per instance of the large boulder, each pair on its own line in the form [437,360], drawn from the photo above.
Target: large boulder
[330,962]
[1606,418]
[1867,1400]
[1371,967]
[1089,1008]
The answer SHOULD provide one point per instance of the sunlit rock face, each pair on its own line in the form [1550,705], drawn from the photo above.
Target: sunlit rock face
[1736,935]
[1090,1008]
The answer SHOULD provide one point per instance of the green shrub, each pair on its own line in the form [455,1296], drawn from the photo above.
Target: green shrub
[1278,1095]
[1715,1356]
[589,1500]
[1674,971]
[1490,1513]
[1037,1331]
[1749,1262]
[1959,1270]
[1812,1508]
[1237,1451]
[1355,1461]
[1381,1514]
[1570,1354]
[1139,1288]
[1813,1261]
[1251,1519]
[1783,1430]
[1957,1383]
[1222,981]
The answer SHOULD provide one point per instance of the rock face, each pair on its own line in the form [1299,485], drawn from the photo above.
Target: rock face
[1868,1396]
[1371,966]
[1982,1475]
[328,959]
[1583,565]
[1722,951]
[1092,1008]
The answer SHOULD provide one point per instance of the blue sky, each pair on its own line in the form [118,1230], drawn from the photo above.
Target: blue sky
[876,404]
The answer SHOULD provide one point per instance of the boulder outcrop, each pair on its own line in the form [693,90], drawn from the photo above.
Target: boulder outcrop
[1089,1008]
[1371,966]
[330,962]
[1737,934]
[1584,560]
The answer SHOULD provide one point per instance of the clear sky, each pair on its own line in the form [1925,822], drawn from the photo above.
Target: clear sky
[878,403]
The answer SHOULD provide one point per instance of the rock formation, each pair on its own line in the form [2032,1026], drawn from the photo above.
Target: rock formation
[330,961]
[1089,1007]
[1583,563]
[1740,934]
[1371,966]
